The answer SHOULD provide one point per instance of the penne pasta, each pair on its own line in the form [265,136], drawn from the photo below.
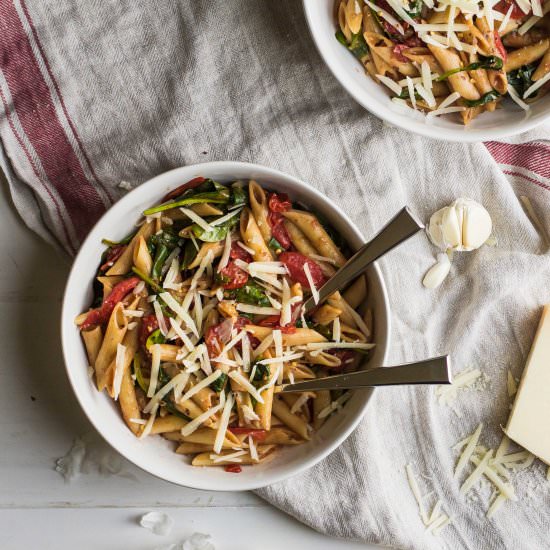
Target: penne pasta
[316,233]
[114,334]
[124,264]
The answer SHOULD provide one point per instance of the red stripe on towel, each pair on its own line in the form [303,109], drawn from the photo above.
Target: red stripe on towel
[69,243]
[36,112]
[62,101]
[534,157]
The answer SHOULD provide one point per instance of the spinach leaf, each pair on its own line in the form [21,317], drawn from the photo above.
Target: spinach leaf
[483,100]
[299,324]
[415,8]
[141,380]
[275,245]
[492,63]
[521,79]
[214,197]
[357,46]
[251,293]
[160,246]
[239,197]
[156,337]
[217,233]
[219,383]
[126,240]
[341,38]
[189,254]
[262,372]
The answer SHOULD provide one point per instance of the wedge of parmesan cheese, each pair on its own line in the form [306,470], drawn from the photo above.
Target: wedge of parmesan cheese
[528,423]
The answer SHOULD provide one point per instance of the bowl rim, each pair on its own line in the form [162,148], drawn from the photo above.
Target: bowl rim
[68,323]
[462,135]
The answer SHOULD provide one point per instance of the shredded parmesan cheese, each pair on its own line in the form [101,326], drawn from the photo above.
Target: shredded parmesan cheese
[200,385]
[203,224]
[468,451]
[119,370]
[155,366]
[189,428]
[224,422]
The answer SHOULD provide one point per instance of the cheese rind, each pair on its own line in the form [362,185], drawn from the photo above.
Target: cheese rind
[528,423]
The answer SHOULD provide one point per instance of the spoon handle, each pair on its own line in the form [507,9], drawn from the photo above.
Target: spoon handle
[402,226]
[430,371]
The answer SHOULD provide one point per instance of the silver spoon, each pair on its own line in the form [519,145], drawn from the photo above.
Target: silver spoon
[402,226]
[430,371]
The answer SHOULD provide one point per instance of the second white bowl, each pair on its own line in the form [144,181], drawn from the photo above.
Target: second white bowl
[509,120]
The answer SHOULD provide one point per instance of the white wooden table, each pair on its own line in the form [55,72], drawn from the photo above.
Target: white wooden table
[40,418]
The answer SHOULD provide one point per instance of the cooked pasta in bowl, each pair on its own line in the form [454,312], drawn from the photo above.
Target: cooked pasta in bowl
[464,70]
[180,330]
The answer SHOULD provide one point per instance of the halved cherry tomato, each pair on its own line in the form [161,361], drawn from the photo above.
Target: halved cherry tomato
[294,262]
[238,253]
[233,276]
[260,435]
[233,469]
[500,46]
[191,184]
[279,202]
[115,252]
[101,315]
[504,5]
[273,321]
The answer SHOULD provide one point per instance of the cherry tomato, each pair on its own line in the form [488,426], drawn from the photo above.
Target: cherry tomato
[504,5]
[149,324]
[238,253]
[294,262]
[500,46]
[279,202]
[115,252]
[101,315]
[278,229]
[191,184]
[233,469]
[398,50]
[260,435]
[233,276]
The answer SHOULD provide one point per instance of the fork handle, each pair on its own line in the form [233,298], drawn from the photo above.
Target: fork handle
[436,370]
[402,226]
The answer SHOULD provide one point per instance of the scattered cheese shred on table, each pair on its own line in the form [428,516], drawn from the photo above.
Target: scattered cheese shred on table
[496,466]
[437,520]
[467,379]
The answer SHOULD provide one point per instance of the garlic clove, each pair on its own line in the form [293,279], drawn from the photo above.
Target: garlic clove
[476,226]
[451,228]
[438,272]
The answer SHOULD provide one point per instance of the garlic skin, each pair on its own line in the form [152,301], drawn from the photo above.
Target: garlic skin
[462,226]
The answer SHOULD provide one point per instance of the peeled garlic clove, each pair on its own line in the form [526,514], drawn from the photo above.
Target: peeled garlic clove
[438,272]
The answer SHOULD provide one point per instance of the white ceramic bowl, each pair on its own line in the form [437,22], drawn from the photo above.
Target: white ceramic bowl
[154,454]
[504,122]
